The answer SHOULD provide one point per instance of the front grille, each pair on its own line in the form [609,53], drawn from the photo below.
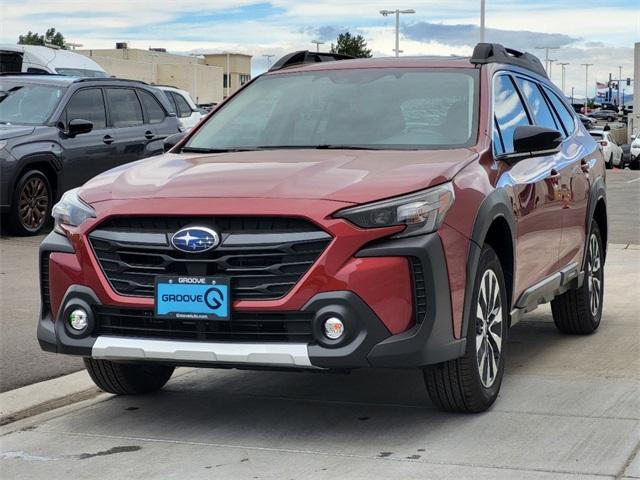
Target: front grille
[419,289]
[294,327]
[263,257]
[45,297]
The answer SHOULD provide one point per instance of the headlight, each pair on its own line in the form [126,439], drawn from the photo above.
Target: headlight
[421,212]
[71,211]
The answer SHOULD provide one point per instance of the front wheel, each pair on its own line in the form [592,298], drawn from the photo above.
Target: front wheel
[127,378]
[472,382]
[578,312]
[31,204]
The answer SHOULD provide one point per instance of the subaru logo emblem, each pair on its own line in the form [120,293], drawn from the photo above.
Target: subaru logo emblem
[195,239]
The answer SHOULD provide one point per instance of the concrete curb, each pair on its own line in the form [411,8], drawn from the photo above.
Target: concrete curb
[47,395]
[51,394]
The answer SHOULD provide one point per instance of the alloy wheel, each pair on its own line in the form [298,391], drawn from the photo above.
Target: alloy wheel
[34,203]
[594,275]
[489,328]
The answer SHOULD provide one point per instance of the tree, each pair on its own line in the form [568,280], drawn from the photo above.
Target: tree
[50,37]
[352,45]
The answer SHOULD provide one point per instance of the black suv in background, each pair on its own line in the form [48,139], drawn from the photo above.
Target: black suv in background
[56,132]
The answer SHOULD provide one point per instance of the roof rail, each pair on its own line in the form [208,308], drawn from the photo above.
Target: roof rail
[302,57]
[484,53]
[107,79]
[11,74]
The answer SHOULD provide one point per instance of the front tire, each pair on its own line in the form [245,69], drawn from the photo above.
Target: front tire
[472,382]
[579,311]
[127,378]
[30,204]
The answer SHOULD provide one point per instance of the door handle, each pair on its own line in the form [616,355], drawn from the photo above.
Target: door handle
[585,166]
[148,135]
[554,174]
[108,139]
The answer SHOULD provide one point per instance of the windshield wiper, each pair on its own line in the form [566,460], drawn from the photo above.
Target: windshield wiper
[322,146]
[213,150]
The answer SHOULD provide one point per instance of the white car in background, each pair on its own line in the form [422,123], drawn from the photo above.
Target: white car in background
[611,151]
[186,110]
[635,153]
[38,59]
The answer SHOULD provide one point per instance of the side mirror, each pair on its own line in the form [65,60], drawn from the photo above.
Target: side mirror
[536,140]
[172,140]
[78,126]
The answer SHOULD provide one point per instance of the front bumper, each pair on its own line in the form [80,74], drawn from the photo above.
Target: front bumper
[368,340]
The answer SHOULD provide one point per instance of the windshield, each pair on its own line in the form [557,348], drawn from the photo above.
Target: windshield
[360,108]
[81,72]
[27,104]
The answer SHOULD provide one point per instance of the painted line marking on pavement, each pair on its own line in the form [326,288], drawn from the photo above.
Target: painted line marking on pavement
[634,180]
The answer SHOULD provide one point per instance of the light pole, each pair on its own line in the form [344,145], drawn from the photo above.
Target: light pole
[551,66]
[586,83]
[482,21]
[546,55]
[619,79]
[563,65]
[397,12]
[317,43]
[268,60]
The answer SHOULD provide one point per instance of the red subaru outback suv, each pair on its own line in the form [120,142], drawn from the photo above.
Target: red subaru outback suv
[331,215]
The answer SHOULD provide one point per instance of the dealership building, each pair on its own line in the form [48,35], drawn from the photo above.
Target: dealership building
[208,78]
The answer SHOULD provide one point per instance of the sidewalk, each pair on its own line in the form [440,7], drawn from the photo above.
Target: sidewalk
[569,408]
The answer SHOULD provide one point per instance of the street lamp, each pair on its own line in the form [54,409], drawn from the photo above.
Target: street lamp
[563,65]
[482,21]
[586,83]
[268,60]
[546,55]
[619,80]
[551,66]
[317,43]
[397,12]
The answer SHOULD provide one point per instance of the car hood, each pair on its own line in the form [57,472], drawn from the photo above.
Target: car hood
[354,176]
[13,131]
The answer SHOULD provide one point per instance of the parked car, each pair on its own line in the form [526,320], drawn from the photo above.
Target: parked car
[612,152]
[56,132]
[634,151]
[303,226]
[608,115]
[38,59]
[588,122]
[188,113]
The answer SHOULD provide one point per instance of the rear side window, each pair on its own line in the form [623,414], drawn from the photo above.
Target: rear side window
[124,107]
[182,107]
[88,104]
[563,112]
[509,111]
[538,106]
[155,113]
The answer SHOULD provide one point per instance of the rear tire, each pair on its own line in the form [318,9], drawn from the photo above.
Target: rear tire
[30,204]
[127,378]
[579,311]
[609,164]
[471,383]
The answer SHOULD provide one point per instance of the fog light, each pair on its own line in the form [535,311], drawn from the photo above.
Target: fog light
[78,319]
[333,328]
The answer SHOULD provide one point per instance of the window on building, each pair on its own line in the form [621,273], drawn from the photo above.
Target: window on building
[87,104]
[124,107]
[155,112]
[509,110]
[225,82]
[244,79]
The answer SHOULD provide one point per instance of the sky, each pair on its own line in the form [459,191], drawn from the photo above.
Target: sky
[586,31]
